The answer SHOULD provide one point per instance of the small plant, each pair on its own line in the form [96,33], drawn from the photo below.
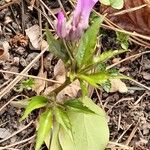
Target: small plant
[76,124]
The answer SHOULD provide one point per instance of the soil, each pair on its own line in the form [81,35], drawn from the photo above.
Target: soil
[128,113]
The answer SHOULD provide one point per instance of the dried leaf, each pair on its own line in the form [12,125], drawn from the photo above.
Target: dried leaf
[34,33]
[137,20]
[4,50]
[71,91]
[118,85]
[4,133]
[60,75]
[39,85]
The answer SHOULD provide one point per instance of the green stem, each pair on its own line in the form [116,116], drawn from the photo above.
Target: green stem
[68,51]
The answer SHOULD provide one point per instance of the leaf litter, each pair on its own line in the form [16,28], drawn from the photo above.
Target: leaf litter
[129,113]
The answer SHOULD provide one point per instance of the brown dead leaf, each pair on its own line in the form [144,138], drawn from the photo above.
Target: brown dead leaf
[137,20]
[70,91]
[34,34]
[4,50]
[19,40]
[39,85]
[118,85]
[59,75]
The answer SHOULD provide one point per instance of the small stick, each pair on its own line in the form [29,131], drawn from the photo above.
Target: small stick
[17,143]
[30,76]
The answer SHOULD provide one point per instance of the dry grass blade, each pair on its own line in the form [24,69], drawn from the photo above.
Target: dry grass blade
[132,134]
[118,146]
[29,76]
[17,143]
[128,10]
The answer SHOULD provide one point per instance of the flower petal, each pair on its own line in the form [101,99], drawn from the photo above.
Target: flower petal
[61,19]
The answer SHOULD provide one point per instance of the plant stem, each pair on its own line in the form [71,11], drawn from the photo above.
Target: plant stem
[57,90]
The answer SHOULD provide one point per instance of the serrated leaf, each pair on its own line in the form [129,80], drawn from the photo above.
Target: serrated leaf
[95,79]
[87,44]
[45,125]
[90,132]
[55,145]
[55,46]
[83,88]
[62,118]
[77,105]
[35,103]
[106,55]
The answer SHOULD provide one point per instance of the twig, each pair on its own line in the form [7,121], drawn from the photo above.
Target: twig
[128,10]
[30,76]
[132,133]
[17,143]
[128,58]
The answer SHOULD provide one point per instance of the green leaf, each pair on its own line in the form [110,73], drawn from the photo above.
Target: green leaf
[95,79]
[90,132]
[27,84]
[35,103]
[123,39]
[87,44]
[62,118]
[55,145]
[106,86]
[105,2]
[56,47]
[106,55]
[45,125]
[83,88]
[117,4]
[101,67]
[77,105]
[65,140]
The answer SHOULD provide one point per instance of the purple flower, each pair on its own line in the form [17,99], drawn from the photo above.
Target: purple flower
[74,29]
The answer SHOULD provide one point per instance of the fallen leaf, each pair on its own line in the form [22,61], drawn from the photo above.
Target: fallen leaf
[39,85]
[4,133]
[137,20]
[4,50]
[118,85]
[70,91]
[34,33]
